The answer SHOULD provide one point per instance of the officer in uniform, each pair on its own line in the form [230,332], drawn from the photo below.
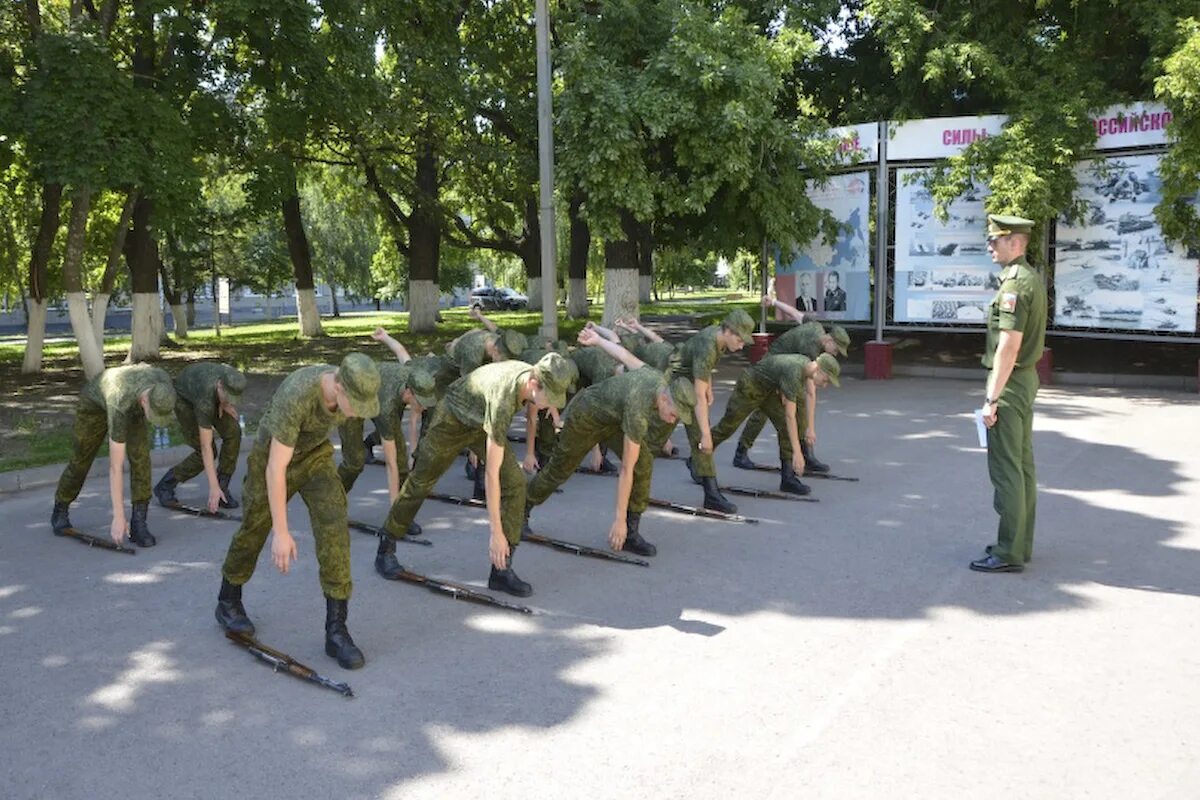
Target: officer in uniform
[207,395]
[117,403]
[292,453]
[1015,337]
[476,413]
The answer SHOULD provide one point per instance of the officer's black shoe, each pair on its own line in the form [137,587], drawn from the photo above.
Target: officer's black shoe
[811,462]
[369,444]
[223,479]
[714,500]
[991,563]
[386,563]
[634,543]
[338,643]
[230,613]
[480,492]
[607,467]
[788,482]
[741,459]
[139,531]
[525,529]
[505,580]
[470,469]
[692,471]
[164,490]
[60,518]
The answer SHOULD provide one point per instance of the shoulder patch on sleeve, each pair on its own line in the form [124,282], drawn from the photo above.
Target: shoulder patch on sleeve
[1008,301]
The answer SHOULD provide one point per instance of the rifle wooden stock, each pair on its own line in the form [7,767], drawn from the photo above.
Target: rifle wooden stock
[95,541]
[583,550]
[282,661]
[458,591]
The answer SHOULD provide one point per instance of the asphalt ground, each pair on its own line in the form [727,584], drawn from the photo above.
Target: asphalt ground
[838,649]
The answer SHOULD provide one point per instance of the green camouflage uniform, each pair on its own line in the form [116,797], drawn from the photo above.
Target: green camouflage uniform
[606,413]
[694,360]
[470,350]
[477,407]
[393,379]
[655,354]
[297,417]
[758,392]
[108,408]
[1019,305]
[196,407]
[802,340]
[594,366]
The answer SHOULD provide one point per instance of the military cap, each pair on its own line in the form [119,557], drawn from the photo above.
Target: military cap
[359,377]
[554,375]
[513,343]
[829,365]
[683,394]
[161,405]
[234,383]
[1003,225]
[629,341]
[841,337]
[741,322]
[423,385]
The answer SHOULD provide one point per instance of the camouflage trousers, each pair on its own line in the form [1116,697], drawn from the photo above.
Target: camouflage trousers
[440,445]
[314,476]
[758,420]
[354,450]
[750,397]
[91,430]
[579,434]
[224,426]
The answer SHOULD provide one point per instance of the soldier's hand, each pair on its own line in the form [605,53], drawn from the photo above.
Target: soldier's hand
[530,464]
[617,533]
[706,445]
[379,334]
[810,438]
[767,301]
[498,550]
[798,462]
[588,337]
[990,412]
[475,314]
[119,528]
[215,496]
[283,550]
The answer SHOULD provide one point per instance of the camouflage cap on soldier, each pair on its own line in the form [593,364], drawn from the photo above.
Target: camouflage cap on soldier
[630,341]
[554,374]
[829,365]
[741,322]
[513,343]
[1003,225]
[161,405]
[841,337]
[234,383]
[683,394]
[423,385]
[359,376]
[573,368]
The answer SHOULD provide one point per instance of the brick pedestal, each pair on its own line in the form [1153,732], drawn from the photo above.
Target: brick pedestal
[1045,367]
[878,360]
[759,349]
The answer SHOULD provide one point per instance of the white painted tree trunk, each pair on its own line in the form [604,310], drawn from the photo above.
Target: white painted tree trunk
[535,294]
[147,327]
[620,294]
[310,315]
[179,317]
[577,298]
[36,337]
[645,286]
[90,354]
[99,313]
[422,306]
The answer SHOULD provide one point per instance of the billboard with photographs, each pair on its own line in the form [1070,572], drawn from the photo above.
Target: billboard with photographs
[833,280]
[1112,268]
[943,271]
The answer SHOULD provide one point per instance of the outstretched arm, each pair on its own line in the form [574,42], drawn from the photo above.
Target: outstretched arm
[635,325]
[382,336]
[779,305]
[589,338]
[607,333]
[478,316]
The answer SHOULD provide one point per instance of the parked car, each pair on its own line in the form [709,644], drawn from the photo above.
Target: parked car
[497,299]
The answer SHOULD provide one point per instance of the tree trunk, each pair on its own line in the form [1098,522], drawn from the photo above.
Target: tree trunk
[645,256]
[39,279]
[425,240]
[581,243]
[90,353]
[191,307]
[337,312]
[621,280]
[306,304]
[100,300]
[142,254]
[531,254]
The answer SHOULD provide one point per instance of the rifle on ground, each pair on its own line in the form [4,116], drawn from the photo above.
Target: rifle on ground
[700,512]
[458,591]
[371,529]
[583,550]
[454,499]
[103,543]
[283,662]
[829,476]
[199,511]
[766,494]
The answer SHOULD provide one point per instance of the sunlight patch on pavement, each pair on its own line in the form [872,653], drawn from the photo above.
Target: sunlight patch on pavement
[149,665]
[55,661]
[9,591]
[502,623]
[25,613]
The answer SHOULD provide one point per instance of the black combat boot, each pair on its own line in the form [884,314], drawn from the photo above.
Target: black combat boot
[606,467]
[788,482]
[139,532]
[231,614]
[223,479]
[471,469]
[741,459]
[338,643]
[811,462]
[525,529]
[386,563]
[480,492]
[414,529]
[714,500]
[634,543]
[164,490]
[60,519]
[692,471]
[369,445]
[505,580]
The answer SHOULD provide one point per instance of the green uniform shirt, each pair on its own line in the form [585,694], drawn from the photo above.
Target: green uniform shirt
[442,368]
[470,351]
[594,364]
[296,415]
[625,401]
[532,355]
[784,373]
[1019,305]
[489,397]
[655,354]
[696,358]
[197,384]
[803,340]
[393,381]
[115,392]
